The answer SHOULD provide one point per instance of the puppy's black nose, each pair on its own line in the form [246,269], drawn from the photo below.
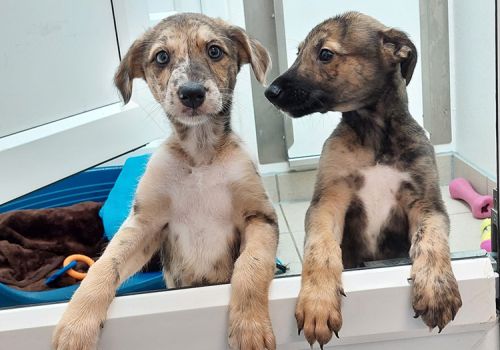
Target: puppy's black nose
[272,92]
[192,94]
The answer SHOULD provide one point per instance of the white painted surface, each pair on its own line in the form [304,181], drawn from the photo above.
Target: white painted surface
[40,156]
[377,315]
[472,51]
[301,16]
[51,64]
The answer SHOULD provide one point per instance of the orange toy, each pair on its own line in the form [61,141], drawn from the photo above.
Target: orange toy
[78,257]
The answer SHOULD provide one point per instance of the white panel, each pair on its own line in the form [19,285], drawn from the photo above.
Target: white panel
[155,6]
[473,37]
[215,8]
[187,5]
[376,312]
[57,59]
[37,157]
[301,16]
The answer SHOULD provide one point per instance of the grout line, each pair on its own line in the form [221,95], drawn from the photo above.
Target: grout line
[277,188]
[289,254]
[291,235]
[284,218]
[296,248]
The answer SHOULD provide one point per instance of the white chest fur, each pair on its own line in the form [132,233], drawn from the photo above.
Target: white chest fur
[381,183]
[201,213]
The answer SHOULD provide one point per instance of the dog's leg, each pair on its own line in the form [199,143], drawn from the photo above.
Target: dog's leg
[249,322]
[435,291]
[319,303]
[130,249]
[127,252]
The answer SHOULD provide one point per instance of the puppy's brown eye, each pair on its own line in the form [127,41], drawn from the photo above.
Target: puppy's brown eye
[325,55]
[162,57]
[215,52]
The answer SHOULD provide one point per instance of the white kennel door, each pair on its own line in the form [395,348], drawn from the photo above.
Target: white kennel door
[59,110]
[299,17]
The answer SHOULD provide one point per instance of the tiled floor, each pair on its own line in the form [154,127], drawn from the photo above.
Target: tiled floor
[465,230]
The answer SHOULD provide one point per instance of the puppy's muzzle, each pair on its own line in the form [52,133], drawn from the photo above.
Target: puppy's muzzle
[272,92]
[297,97]
[192,94]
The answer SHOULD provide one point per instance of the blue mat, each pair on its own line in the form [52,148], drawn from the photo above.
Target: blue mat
[91,185]
[141,282]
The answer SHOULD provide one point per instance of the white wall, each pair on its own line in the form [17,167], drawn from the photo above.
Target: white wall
[51,64]
[472,51]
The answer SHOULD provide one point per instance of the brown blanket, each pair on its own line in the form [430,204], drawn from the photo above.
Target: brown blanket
[34,243]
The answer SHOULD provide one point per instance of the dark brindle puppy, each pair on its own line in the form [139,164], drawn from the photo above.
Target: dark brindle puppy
[377,194]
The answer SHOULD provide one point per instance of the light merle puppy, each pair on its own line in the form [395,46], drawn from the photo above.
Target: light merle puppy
[377,193]
[200,201]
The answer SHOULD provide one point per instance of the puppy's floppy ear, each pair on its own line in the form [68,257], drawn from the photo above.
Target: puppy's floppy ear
[398,48]
[251,51]
[130,68]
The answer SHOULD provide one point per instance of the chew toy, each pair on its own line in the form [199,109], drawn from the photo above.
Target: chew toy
[486,235]
[480,205]
[68,265]
[77,257]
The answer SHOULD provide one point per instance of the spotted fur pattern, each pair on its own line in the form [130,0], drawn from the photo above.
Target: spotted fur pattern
[200,201]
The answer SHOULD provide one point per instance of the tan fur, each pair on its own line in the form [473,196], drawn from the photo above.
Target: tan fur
[377,194]
[200,201]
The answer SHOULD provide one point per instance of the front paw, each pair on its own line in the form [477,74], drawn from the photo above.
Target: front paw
[75,332]
[250,329]
[318,312]
[436,297]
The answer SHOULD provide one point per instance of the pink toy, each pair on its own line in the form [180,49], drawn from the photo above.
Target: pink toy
[480,205]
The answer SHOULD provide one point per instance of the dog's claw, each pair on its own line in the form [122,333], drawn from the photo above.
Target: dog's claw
[321,346]
[417,314]
[336,334]
[299,330]
[341,291]
[440,329]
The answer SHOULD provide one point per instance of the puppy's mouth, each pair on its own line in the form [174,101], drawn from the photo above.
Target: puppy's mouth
[300,110]
[190,116]
[190,112]
[296,102]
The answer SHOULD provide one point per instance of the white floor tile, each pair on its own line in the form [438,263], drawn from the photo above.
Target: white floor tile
[453,206]
[465,232]
[295,213]
[288,255]
[296,186]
